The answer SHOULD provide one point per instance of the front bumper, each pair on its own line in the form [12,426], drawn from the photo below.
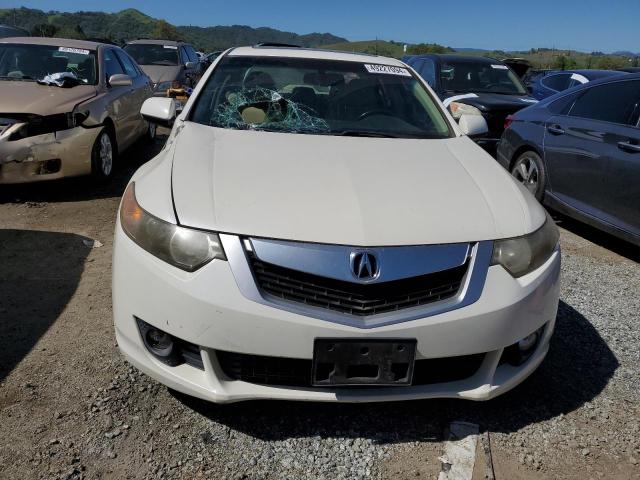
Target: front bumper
[51,156]
[206,308]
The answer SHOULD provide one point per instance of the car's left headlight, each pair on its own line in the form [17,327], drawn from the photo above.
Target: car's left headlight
[458,109]
[522,255]
[185,248]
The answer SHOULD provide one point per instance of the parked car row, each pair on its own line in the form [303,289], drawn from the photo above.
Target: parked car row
[69,107]
[577,151]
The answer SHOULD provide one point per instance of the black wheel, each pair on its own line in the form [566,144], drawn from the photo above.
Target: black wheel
[103,155]
[529,170]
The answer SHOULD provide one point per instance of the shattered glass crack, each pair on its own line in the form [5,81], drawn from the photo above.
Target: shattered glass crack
[265,109]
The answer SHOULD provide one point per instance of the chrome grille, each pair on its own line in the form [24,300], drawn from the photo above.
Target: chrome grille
[355,298]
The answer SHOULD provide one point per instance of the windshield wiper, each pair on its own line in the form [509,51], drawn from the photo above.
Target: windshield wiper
[364,133]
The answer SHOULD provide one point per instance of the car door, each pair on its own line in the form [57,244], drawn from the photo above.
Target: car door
[121,101]
[586,150]
[142,90]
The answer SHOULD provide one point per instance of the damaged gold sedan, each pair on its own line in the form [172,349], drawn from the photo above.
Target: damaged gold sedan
[67,108]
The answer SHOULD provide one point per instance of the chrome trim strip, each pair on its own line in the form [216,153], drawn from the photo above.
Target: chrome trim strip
[470,291]
[334,261]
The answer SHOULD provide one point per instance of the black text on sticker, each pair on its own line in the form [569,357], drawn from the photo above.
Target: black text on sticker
[387,69]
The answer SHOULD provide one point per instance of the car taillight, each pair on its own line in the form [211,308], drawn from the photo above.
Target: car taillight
[508,121]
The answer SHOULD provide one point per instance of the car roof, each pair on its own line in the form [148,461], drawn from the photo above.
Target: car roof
[58,42]
[149,41]
[600,81]
[314,53]
[452,57]
[591,74]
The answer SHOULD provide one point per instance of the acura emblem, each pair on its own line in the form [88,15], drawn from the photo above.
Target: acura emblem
[364,266]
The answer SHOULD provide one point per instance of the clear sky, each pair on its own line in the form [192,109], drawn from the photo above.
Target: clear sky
[507,25]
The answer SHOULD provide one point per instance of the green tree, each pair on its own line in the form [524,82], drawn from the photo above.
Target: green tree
[422,48]
[611,63]
[165,31]
[564,62]
[72,32]
[44,30]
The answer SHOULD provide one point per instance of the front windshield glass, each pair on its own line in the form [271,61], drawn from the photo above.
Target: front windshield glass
[153,54]
[299,95]
[464,76]
[33,62]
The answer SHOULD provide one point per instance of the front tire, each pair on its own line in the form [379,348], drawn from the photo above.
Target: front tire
[103,156]
[528,169]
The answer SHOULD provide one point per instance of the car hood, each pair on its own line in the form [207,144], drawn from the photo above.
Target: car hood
[161,73]
[31,97]
[345,190]
[488,102]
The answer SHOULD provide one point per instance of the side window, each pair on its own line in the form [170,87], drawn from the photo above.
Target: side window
[129,67]
[614,102]
[111,64]
[184,55]
[427,70]
[193,56]
[564,104]
[557,82]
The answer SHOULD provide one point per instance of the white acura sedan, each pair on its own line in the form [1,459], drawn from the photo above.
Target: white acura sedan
[318,227]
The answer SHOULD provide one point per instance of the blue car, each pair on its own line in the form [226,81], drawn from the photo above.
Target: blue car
[579,153]
[555,81]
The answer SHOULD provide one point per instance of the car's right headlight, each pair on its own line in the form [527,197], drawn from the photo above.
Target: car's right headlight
[185,248]
[522,255]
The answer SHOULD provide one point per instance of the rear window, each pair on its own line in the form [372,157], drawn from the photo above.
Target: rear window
[464,76]
[153,54]
[557,82]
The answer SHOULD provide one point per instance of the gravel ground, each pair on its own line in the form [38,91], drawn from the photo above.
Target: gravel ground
[71,408]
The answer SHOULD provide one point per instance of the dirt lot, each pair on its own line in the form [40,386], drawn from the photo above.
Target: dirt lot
[70,407]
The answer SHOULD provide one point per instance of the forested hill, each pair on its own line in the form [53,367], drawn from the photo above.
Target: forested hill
[131,23]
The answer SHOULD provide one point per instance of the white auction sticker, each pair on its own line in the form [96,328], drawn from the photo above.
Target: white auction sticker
[500,67]
[80,51]
[387,69]
[172,47]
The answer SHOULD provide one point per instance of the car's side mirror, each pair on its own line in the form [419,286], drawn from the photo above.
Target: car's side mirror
[191,65]
[120,80]
[159,110]
[473,124]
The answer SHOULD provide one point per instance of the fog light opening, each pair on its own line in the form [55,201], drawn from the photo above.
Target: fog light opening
[527,343]
[521,351]
[160,344]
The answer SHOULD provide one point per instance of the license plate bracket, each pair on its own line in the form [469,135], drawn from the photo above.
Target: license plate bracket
[375,362]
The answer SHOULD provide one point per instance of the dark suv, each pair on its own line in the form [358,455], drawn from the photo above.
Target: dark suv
[474,85]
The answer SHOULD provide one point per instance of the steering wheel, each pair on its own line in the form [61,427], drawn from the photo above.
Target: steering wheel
[374,112]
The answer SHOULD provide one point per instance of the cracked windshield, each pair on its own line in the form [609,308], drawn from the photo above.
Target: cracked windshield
[324,97]
[34,62]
